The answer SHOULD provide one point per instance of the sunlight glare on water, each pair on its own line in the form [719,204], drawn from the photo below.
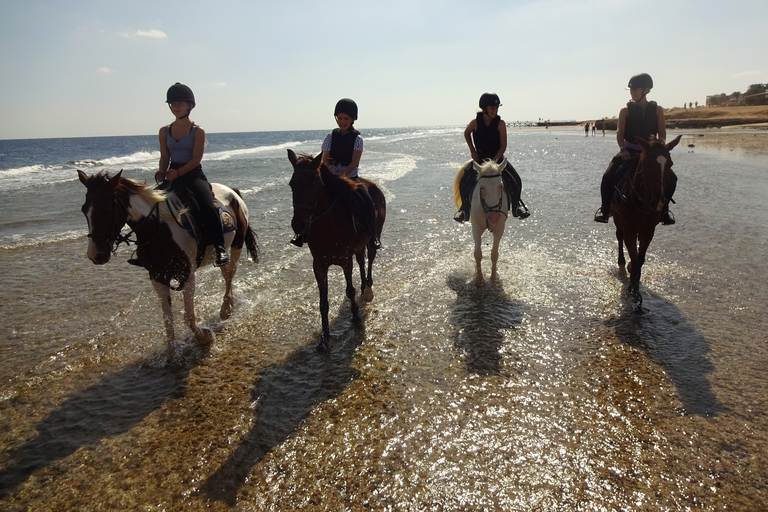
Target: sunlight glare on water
[543,391]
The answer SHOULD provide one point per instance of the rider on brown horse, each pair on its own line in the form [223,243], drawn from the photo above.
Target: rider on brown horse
[640,118]
[486,136]
[342,149]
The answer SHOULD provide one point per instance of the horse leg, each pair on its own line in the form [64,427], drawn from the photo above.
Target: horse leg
[164,294]
[620,237]
[204,335]
[477,234]
[321,276]
[351,289]
[366,292]
[228,273]
[495,252]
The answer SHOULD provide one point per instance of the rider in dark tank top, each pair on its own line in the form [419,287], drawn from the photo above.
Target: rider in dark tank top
[640,118]
[486,136]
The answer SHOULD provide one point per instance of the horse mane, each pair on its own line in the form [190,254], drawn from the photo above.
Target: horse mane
[488,167]
[128,186]
[334,184]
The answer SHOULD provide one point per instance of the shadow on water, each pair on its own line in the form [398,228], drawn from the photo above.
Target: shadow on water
[285,395]
[672,343]
[480,315]
[106,409]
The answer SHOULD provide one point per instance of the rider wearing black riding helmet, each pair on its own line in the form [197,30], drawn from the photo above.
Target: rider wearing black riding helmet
[342,149]
[181,150]
[486,136]
[640,118]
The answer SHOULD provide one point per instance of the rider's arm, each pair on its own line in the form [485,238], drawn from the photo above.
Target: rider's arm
[165,157]
[356,154]
[662,124]
[471,127]
[502,141]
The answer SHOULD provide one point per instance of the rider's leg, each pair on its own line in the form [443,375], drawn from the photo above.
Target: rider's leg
[465,190]
[210,222]
[514,187]
[667,218]
[606,190]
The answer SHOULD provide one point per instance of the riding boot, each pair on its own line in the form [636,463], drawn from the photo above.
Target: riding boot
[222,258]
[463,214]
[600,216]
[667,219]
[521,212]
[135,261]
[298,240]
[369,220]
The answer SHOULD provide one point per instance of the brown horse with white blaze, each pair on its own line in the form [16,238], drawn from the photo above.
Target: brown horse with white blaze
[640,205]
[164,248]
[326,212]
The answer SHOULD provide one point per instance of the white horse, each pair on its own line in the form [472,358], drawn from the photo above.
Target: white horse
[489,211]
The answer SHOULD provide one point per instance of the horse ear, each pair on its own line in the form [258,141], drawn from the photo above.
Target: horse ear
[674,142]
[292,157]
[317,160]
[646,145]
[83,177]
[114,182]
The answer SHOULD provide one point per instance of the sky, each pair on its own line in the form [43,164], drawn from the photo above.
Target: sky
[77,68]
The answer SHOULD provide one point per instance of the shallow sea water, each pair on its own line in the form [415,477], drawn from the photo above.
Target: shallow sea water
[541,392]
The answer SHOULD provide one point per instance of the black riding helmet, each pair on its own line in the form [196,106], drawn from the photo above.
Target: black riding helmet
[642,80]
[180,92]
[346,106]
[489,99]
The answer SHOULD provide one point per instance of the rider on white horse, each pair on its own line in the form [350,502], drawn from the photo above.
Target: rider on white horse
[486,136]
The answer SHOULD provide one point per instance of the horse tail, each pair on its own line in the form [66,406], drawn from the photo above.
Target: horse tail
[456,189]
[251,244]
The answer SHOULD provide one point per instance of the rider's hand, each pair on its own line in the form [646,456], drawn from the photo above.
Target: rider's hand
[626,155]
[159,176]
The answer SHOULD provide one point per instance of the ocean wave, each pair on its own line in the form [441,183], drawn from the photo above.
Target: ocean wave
[116,161]
[225,155]
[19,241]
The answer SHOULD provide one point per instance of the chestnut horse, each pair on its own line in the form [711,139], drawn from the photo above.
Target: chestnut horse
[488,211]
[164,247]
[639,206]
[325,212]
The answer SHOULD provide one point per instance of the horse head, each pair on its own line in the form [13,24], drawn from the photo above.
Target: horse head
[106,213]
[490,190]
[653,172]
[305,182]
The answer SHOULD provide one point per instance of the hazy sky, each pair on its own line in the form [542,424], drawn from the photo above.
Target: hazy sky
[101,67]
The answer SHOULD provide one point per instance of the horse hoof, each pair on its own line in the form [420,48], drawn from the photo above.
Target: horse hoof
[368,294]
[206,336]
[226,312]
[323,345]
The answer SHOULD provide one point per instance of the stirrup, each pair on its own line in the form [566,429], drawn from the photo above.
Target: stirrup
[461,216]
[521,212]
[222,258]
[135,262]
[298,240]
[667,219]
[600,216]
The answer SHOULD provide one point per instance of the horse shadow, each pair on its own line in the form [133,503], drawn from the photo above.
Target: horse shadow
[285,394]
[106,409]
[669,341]
[479,316]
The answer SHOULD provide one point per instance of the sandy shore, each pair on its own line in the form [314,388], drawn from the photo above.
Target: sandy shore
[748,141]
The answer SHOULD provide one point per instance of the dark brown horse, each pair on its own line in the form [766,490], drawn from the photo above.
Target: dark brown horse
[640,205]
[326,213]
[168,252]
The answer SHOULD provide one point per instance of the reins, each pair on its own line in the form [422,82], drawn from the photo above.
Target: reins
[114,236]
[497,207]
[638,170]
[311,209]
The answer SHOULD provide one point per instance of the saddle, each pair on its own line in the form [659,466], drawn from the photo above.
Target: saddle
[186,215]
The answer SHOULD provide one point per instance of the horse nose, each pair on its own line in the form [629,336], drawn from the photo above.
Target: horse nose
[99,258]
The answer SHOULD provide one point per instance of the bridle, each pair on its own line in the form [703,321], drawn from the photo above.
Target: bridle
[114,236]
[497,207]
[309,211]
[646,205]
